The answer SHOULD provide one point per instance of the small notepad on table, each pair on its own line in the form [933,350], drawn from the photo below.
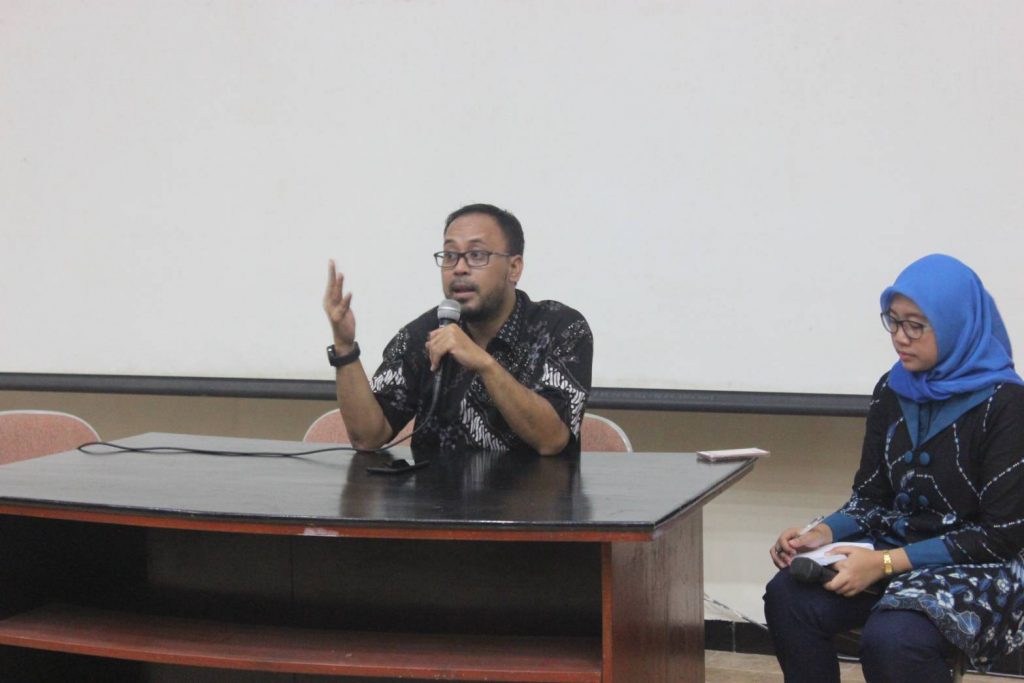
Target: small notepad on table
[732,454]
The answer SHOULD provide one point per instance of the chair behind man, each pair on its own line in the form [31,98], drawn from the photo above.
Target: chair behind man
[330,428]
[28,434]
[598,433]
[601,434]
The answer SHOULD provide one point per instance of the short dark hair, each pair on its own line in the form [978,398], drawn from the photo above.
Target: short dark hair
[508,223]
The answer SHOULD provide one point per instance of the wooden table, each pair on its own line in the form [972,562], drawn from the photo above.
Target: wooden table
[478,567]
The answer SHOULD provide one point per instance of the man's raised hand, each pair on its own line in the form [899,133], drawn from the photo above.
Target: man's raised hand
[337,305]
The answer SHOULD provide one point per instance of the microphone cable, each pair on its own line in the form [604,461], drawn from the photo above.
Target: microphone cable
[97,448]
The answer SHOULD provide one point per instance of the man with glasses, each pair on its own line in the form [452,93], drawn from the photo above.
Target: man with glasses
[518,371]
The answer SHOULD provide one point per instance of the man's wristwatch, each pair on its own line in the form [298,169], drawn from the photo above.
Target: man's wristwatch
[341,361]
[887,563]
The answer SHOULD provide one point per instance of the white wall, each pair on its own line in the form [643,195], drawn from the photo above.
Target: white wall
[723,188]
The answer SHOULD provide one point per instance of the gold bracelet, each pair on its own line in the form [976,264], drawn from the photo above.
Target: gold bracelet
[887,562]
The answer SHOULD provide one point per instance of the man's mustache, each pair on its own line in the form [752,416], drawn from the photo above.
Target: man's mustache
[462,286]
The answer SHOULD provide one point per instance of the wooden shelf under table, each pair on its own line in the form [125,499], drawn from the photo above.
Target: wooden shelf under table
[172,640]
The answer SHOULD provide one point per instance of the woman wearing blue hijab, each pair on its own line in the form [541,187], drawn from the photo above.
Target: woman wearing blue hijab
[939,494]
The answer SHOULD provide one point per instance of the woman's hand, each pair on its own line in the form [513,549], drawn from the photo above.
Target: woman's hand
[860,569]
[791,541]
[863,567]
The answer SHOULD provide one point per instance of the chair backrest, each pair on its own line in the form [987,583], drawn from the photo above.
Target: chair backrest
[597,433]
[330,428]
[28,434]
[601,434]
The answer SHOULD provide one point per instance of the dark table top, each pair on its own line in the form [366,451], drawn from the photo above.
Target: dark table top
[595,493]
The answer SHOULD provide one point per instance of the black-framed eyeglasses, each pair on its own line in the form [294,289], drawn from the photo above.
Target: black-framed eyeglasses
[475,258]
[911,328]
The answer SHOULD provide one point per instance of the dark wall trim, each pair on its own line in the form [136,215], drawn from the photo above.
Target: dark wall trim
[768,403]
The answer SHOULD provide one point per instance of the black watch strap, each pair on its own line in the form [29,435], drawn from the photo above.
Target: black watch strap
[341,361]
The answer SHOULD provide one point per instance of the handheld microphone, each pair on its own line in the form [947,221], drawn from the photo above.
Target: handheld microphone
[448,311]
[807,570]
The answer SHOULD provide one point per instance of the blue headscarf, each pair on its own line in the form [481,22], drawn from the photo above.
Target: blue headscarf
[974,349]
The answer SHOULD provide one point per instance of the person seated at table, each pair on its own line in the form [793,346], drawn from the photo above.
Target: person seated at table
[939,493]
[519,370]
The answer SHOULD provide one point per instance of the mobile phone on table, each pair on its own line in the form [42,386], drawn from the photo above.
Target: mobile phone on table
[400,466]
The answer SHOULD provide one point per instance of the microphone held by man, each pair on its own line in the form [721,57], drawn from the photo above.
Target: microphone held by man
[448,312]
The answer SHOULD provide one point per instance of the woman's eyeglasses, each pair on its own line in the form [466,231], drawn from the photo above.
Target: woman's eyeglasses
[911,328]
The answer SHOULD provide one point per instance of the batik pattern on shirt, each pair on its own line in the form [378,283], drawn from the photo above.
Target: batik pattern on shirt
[959,495]
[546,346]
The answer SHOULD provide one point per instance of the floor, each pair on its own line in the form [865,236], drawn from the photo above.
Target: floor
[734,667]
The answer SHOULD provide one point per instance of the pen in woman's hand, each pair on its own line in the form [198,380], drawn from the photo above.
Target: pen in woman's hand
[810,525]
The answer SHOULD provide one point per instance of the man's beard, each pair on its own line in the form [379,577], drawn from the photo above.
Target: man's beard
[490,307]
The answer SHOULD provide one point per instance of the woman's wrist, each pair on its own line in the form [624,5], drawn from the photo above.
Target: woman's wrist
[887,568]
[893,561]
